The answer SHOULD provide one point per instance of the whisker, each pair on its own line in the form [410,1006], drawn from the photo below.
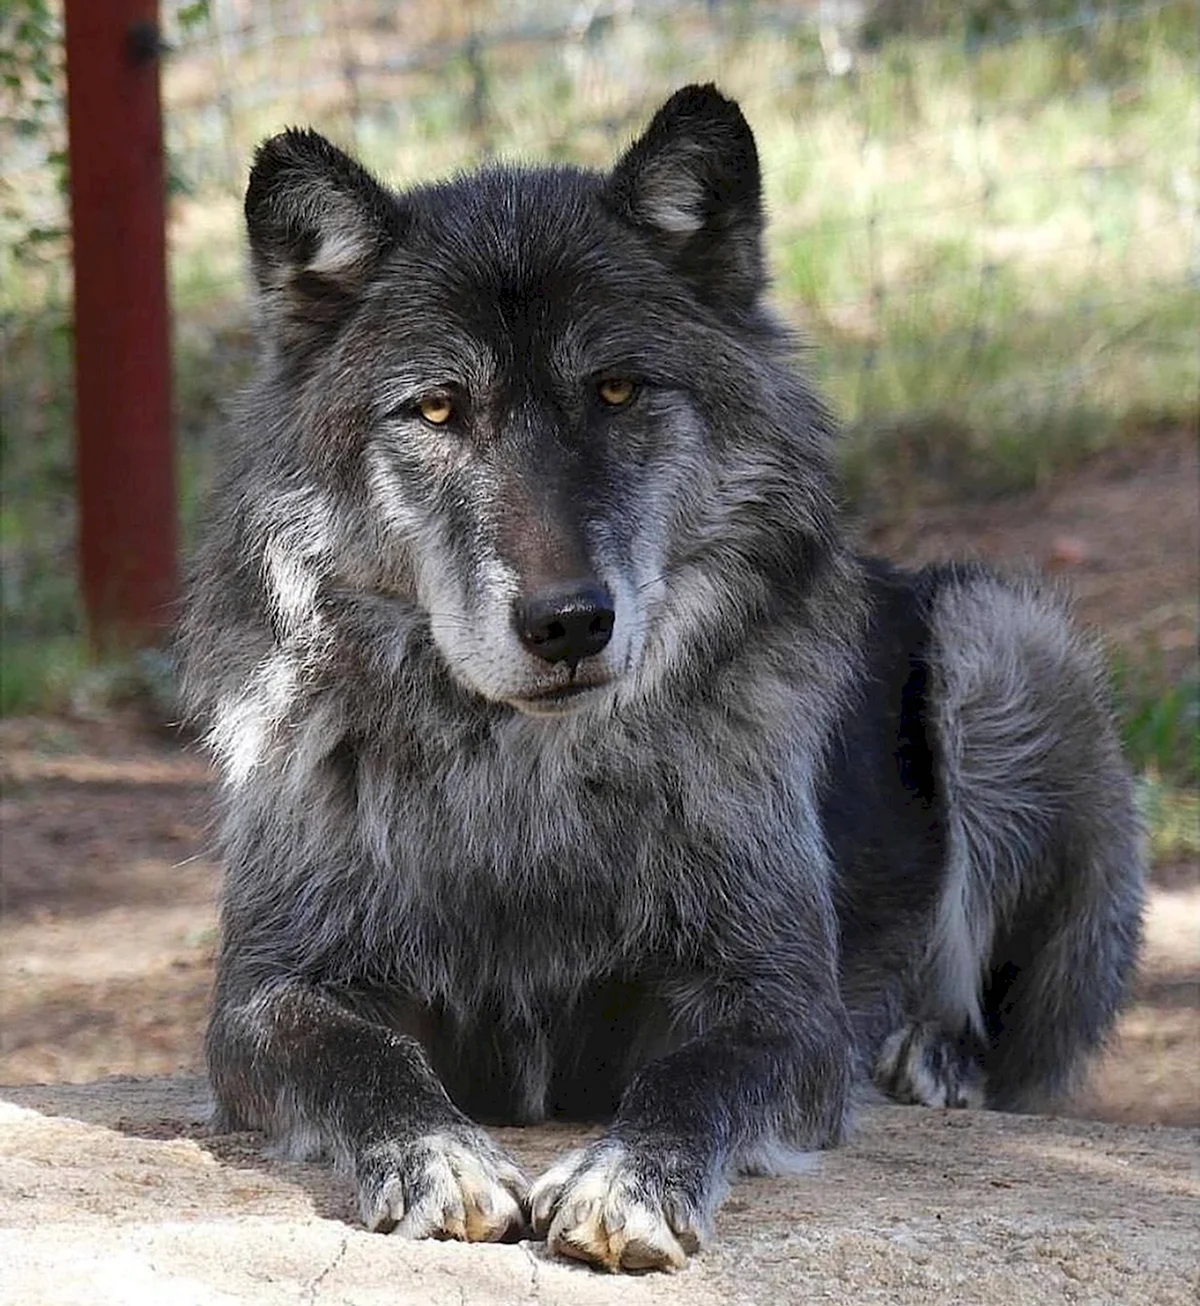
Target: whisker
[658,579]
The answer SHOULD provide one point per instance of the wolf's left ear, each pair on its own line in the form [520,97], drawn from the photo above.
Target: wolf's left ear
[319,224]
[691,183]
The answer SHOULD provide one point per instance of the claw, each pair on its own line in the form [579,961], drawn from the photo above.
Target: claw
[599,1210]
[443,1187]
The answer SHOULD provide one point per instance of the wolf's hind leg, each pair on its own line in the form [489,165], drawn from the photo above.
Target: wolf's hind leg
[922,1065]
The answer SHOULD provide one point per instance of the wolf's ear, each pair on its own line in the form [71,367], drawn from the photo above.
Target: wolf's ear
[692,184]
[319,224]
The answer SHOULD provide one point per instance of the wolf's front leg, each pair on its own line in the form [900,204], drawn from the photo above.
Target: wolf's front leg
[293,1061]
[742,1096]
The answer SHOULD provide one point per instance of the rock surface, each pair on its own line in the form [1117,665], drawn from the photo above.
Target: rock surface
[115,1194]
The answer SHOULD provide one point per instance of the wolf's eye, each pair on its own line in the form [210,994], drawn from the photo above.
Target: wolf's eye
[616,391]
[436,409]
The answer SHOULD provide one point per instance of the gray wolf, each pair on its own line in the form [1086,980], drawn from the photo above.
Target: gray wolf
[573,764]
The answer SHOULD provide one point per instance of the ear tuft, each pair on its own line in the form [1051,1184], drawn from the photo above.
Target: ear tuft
[692,184]
[318,224]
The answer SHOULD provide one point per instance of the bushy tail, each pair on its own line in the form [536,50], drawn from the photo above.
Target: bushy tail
[1040,923]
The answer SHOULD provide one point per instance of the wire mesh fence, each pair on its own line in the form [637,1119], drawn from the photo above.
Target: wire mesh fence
[985,217]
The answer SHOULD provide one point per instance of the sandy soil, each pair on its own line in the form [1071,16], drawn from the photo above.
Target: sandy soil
[107,893]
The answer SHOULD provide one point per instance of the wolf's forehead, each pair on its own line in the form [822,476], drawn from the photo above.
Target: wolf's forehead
[520,235]
[513,207]
[520,264]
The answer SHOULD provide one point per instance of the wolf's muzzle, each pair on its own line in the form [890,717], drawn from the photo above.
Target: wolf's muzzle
[568,623]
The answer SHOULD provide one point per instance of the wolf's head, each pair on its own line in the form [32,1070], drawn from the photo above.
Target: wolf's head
[539,415]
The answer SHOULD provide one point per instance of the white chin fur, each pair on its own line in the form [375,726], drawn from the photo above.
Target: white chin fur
[588,699]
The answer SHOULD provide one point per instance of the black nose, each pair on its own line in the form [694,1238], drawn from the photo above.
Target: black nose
[567,623]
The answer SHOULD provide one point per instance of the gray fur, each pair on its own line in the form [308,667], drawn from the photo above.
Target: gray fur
[453,885]
[1042,836]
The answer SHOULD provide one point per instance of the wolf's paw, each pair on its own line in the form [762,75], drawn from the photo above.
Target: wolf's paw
[446,1185]
[921,1064]
[605,1206]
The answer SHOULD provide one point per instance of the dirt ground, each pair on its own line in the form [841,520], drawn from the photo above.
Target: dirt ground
[107,920]
[117,1194]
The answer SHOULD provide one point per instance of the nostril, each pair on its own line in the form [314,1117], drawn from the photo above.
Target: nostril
[566,623]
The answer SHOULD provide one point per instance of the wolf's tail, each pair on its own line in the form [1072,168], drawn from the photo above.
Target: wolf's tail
[1040,920]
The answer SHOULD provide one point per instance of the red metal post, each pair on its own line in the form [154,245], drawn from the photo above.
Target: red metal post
[125,456]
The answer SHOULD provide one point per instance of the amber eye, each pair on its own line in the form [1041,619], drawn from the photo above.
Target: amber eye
[616,391]
[436,409]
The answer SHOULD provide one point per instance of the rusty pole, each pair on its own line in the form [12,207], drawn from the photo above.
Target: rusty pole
[124,451]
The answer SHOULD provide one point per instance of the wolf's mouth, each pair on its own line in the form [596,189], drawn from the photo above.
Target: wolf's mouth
[557,701]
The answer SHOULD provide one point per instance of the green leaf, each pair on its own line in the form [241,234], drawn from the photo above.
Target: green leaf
[193,15]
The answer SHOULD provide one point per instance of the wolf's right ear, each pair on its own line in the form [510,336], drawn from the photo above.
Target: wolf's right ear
[691,184]
[319,224]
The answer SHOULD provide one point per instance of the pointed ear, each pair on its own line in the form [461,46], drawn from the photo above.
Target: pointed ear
[692,185]
[319,224]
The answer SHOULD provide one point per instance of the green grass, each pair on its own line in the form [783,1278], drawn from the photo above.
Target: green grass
[41,675]
[1160,720]
[58,674]
[993,255]
[1160,730]
[37,488]
[1172,817]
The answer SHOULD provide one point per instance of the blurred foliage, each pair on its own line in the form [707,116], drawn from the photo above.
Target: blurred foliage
[1172,819]
[191,16]
[1160,718]
[976,19]
[31,122]
[30,58]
